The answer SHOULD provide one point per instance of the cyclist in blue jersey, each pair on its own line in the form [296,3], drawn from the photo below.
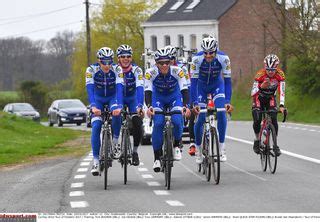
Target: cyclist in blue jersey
[133,95]
[104,84]
[165,87]
[206,78]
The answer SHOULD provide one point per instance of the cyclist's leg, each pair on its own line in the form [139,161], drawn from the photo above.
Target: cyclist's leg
[273,114]
[256,116]
[158,124]
[116,120]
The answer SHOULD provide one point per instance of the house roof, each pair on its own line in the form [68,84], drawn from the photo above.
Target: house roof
[204,10]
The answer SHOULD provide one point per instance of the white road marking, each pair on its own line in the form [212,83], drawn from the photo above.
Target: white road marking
[80,176]
[85,164]
[153,183]
[162,192]
[244,171]
[191,171]
[82,170]
[147,176]
[142,169]
[174,203]
[87,159]
[76,185]
[76,193]
[79,204]
[283,151]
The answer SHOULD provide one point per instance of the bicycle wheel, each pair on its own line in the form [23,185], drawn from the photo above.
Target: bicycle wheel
[215,154]
[125,155]
[272,143]
[107,158]
[168,159]
[206,165]
[263,150]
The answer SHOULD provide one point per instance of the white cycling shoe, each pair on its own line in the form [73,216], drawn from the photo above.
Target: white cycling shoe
[199,157]
[156,166]
[177,153]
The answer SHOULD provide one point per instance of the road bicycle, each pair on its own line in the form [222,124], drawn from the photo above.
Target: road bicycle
[166,158]
[210,144]
[268,142]
[105,157]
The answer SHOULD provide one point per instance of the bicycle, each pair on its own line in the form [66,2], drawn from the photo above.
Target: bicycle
[210,144]
[167,156]
[126,147]
[105,156]
[267,146]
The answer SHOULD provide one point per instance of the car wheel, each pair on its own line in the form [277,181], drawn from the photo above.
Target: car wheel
[146,141]
[59,122]
[50,123]
[78,124]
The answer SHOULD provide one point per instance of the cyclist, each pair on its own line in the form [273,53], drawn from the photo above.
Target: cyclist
[264,89]
[133,94]
[104,84]
[165,87]
[206,79]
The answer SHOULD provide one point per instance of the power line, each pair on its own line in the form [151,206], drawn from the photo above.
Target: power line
[40,30]
[39,14]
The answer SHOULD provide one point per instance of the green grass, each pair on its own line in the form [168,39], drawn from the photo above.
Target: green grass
[14,95]
[302,109]
[23,140]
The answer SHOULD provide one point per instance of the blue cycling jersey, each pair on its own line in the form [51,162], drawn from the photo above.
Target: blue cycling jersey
[101,85]
[133,84]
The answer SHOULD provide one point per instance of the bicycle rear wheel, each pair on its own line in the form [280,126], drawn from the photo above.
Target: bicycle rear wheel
[272,143]
[215,154]
[168,160]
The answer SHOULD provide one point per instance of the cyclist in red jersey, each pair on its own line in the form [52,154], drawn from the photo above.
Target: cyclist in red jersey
[266,83]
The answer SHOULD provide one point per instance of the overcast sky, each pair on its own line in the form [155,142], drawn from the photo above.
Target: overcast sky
[41,19]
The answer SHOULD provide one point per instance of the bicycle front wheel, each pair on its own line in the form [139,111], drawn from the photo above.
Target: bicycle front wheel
[215,154]
[107,159]
[272,143]
[206,163]
[263,150]
[168,160]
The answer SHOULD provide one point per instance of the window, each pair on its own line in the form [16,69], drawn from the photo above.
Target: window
[176,5]
[205,36]
[154,43]
[181,44]
[167,40]
[193,41]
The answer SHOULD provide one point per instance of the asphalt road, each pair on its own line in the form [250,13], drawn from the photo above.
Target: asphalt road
[66,185]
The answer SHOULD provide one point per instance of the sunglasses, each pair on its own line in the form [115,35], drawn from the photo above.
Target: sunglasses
[106,62]
[161,63]
[209,53]
[125,56]
[271,69]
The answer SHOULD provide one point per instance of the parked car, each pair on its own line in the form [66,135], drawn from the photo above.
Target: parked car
[23,109]
[67,111]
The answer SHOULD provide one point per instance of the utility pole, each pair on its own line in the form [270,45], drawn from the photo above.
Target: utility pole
[284,35]
[88,33]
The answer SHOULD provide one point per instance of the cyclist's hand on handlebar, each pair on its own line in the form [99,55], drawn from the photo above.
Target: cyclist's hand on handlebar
[96,111]
[196,110]
[229,108]
[140,112]
[116,112]
[150,111]
[186,112]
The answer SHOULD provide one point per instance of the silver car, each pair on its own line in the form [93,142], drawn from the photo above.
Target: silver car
[23,109]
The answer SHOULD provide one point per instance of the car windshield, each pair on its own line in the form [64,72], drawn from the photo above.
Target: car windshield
[71,104]
[22,107]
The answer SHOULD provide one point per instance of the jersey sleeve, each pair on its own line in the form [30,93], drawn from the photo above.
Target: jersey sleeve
[139,85]
[148,78]
[180,76]
[90,85]
[194,69]
[119,85]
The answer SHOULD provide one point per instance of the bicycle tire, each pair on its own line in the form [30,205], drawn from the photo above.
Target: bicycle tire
[263,150]
[215,158]
[125,156]
[206,165]
[107,159]
[272,157]
[168,158]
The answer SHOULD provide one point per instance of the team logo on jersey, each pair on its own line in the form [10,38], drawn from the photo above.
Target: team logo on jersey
[193,67]
[88,75]
[140,77]
[281,73]
[181,74]
[118,69]
[227,62]
[120,75]
[147,76]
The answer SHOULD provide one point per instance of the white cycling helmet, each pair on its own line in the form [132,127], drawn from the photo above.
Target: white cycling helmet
[172,51]
[161,54]
[124,50]
[209,44]
[105,53]
[271,61]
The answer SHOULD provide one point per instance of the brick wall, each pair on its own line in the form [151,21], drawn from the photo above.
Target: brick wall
[245,39]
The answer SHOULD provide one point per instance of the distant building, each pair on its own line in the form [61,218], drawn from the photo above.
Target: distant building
[246,29]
